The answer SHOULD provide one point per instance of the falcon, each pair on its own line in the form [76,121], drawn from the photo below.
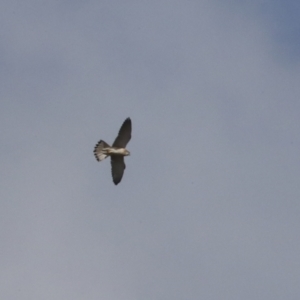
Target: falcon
[116,152]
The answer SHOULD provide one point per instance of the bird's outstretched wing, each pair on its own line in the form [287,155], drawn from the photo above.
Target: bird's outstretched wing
[117,168]
[124,135]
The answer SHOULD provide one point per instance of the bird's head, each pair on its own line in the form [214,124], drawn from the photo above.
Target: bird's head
[127,153]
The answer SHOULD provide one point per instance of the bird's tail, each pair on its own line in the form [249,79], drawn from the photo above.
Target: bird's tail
[101,150]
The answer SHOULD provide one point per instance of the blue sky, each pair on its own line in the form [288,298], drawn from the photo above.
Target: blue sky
[208,207]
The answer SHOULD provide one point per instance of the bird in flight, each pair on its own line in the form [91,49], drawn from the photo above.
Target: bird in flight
[116,152]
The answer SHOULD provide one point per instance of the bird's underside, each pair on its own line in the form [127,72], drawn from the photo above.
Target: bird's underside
[116,152]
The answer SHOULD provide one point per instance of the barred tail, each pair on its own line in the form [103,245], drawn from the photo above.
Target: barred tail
[100,150]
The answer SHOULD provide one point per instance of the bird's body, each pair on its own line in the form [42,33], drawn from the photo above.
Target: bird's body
[117,151]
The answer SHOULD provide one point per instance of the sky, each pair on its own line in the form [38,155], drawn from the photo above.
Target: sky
[208,207]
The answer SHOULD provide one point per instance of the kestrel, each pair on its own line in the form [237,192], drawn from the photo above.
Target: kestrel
[116,152]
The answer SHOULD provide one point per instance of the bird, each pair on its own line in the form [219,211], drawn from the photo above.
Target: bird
[116,152]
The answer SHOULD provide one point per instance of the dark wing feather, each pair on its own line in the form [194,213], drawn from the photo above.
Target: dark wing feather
[124,135]
[117,168]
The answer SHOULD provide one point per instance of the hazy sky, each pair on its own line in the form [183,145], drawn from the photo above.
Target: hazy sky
[209,204]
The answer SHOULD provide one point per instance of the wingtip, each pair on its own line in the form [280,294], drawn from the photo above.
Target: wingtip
[128,122]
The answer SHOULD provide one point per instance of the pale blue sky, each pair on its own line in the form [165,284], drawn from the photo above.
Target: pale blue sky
[209,204]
